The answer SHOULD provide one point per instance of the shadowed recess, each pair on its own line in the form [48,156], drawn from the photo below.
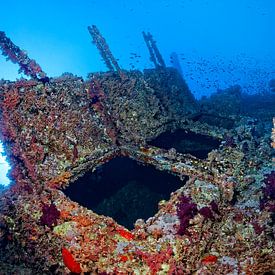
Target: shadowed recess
[186,142]
[124,190]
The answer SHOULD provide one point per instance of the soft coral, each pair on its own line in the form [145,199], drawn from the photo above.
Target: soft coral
[269,192]
[50,214]
[186,211]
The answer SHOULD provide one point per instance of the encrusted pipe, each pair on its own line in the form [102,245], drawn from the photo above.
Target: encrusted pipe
[154,52]
[104,49]
[28,66]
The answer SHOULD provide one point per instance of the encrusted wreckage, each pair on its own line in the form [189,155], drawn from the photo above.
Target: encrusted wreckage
[55,130]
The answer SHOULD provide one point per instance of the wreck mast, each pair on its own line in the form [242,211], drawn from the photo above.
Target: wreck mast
[154,52]
[27,66]
[104,50]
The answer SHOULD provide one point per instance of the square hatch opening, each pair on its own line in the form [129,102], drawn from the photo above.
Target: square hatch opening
[186,143]
[124,190]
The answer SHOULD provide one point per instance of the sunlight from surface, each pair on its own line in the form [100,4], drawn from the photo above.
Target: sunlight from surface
[4,168]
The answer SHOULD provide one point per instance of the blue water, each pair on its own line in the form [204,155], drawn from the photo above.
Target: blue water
[4,168]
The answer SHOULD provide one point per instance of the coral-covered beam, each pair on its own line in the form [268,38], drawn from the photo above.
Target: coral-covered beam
[28,66]
[104,49]
[154,52]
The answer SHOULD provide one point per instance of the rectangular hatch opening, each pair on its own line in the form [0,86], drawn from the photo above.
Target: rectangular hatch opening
[124,190]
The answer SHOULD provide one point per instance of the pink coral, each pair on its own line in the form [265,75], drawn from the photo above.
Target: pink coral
[28,66]
[11,99]
[154,261]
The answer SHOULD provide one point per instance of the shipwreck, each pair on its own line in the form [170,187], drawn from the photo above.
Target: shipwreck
[127,173]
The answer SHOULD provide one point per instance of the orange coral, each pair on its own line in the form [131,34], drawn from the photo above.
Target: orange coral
[64,214]
[210,259]
[83,221]
[123,258]
[60,180]
[125,234]
[70,262]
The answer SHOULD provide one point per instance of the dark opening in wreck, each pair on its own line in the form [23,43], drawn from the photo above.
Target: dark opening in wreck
[186,142]
[124,190]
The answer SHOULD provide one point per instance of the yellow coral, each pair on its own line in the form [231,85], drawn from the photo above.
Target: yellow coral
[66,229]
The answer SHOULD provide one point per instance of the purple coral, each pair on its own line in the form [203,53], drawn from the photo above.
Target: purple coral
[50,215]
[186,211]
[206,213]
[214,207]
[269,192]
